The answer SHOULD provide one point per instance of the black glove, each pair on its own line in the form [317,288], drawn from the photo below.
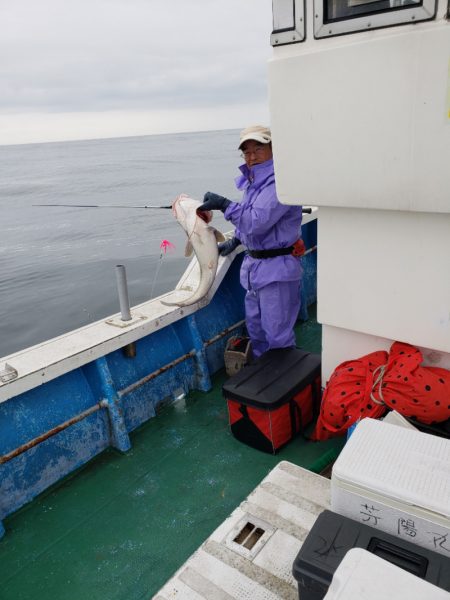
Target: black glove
[226,248]
[213,201]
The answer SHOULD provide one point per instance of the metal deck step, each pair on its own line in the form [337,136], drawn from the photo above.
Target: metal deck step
[250,555]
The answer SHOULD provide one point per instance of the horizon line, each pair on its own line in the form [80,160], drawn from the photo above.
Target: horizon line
[118,137]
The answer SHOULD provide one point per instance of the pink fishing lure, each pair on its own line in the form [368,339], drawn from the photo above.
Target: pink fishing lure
[166,245]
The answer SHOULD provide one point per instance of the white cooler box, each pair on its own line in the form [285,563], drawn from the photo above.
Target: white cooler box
[364,576]
[396,480]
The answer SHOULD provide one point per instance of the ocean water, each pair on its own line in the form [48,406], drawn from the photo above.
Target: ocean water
[57,264]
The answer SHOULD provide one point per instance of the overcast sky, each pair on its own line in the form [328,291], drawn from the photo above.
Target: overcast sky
[81,69]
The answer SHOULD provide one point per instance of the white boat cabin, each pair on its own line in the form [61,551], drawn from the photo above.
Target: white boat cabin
[360,115]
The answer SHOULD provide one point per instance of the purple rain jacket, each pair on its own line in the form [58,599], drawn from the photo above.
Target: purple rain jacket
[263,223]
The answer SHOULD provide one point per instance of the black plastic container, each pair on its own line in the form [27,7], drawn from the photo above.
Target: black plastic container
[274,398]
[331,537]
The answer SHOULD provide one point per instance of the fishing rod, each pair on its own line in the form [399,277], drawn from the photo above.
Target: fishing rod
[102,206]
[304,210]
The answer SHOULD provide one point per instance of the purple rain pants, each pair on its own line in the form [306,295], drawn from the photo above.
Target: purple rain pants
[271,313]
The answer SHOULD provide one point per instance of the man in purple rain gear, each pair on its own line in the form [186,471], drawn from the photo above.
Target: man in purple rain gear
[270,273]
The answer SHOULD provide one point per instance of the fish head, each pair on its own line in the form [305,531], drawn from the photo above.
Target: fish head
[184,209]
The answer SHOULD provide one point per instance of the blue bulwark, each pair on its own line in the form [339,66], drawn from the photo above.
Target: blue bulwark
[53,429]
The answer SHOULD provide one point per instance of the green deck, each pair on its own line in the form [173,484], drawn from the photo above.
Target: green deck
[123,524]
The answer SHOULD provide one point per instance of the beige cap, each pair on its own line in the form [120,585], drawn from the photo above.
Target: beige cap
[257,133]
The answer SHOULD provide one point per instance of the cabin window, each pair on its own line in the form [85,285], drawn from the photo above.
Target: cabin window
[336,17]
[338,9]
[288,22]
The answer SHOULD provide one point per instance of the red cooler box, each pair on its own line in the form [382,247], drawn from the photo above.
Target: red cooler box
[273,399]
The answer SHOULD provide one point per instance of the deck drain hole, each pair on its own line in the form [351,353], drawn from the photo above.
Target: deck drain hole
[249,535]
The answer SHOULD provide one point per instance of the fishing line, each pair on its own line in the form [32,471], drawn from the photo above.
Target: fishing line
[158,266]
[91,318]
[164,246]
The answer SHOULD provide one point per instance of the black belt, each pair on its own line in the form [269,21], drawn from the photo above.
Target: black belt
[270,253]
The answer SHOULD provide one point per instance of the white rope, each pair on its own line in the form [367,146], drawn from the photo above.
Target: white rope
[378,382]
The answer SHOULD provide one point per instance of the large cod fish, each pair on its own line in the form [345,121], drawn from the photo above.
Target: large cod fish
[202,240]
